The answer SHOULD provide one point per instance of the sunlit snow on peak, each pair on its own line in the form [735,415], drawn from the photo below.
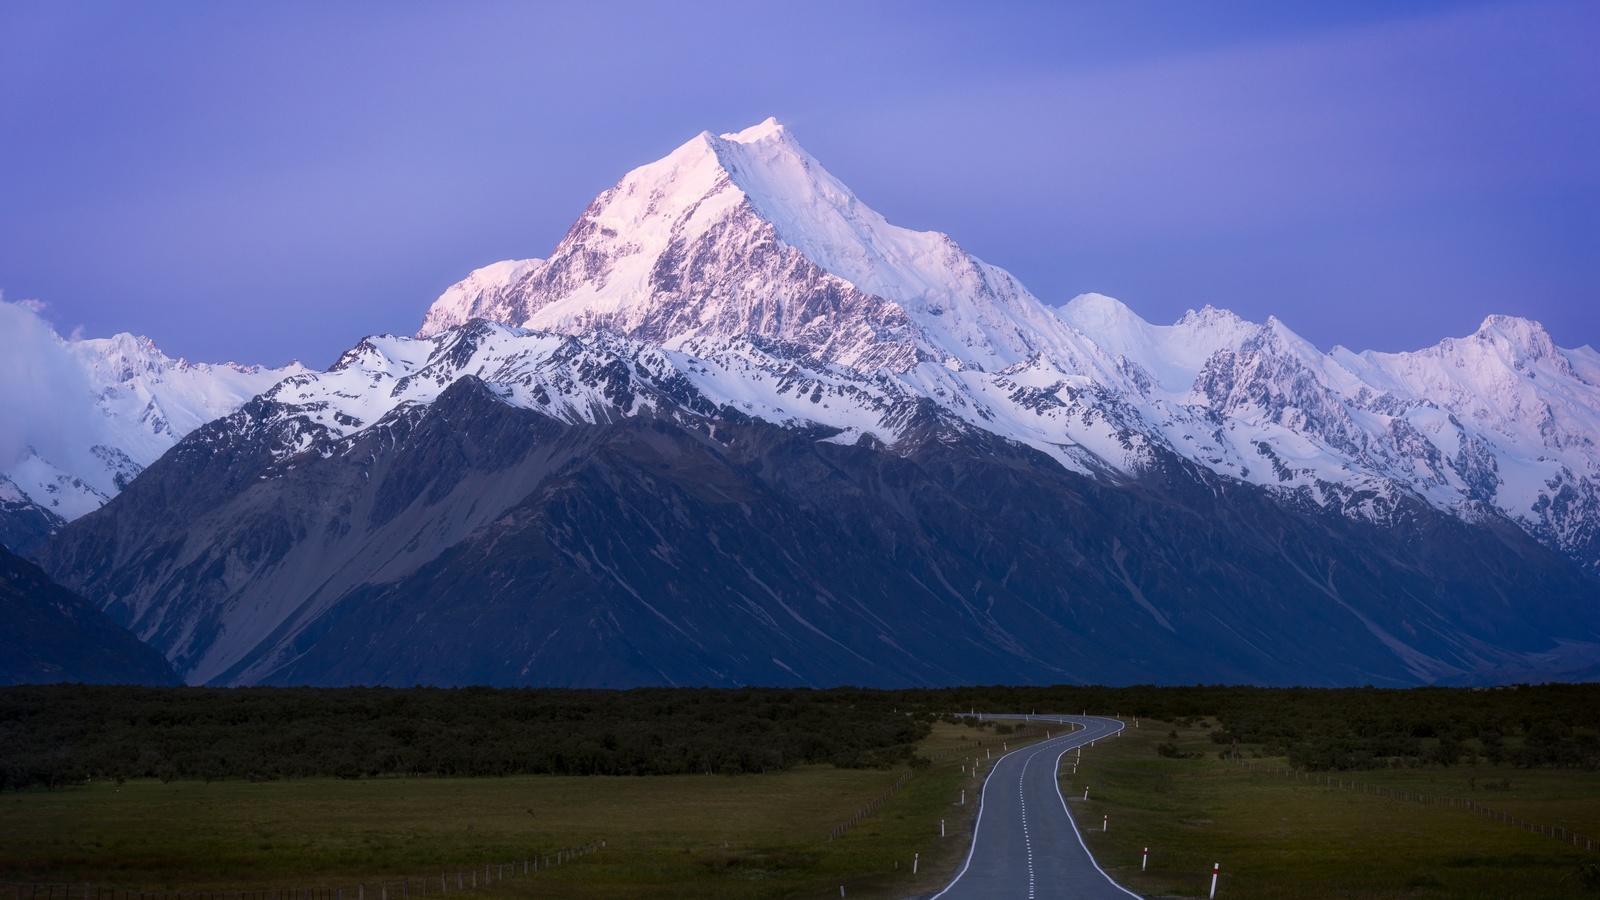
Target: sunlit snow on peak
[771,126]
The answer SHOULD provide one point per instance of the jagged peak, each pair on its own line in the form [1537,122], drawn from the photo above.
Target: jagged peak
[1527,336]
[1289,338]
[771,127]
[1211,315]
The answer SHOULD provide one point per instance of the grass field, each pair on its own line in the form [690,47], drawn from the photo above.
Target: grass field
[667,836]
[764,836]
[1277,837]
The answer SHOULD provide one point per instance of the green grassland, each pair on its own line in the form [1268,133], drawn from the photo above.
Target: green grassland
[703,836]
[765,835]
[1279,837]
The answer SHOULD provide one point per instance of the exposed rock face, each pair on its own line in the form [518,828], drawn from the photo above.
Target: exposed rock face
[53,635]
[24,524]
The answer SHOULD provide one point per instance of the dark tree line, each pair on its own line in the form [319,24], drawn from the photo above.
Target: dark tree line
[58,734]
[1547,725]
[1348,728]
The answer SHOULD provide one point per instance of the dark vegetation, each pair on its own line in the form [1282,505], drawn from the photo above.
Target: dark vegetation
[58,734]
[1350,728]
[1549,725]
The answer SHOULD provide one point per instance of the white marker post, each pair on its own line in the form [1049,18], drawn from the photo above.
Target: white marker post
[915,858]
[941,828]
[1215,868]
[963,796]
[1105,823]
[1145,863]
[1085,793]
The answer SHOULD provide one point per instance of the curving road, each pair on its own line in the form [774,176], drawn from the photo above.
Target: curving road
[1025,846]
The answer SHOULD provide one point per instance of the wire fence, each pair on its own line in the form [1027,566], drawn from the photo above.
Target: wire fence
[1556,832]
[446,882]
[876,804]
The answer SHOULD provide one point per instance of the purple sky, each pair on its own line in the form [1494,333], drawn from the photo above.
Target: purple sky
[275,180]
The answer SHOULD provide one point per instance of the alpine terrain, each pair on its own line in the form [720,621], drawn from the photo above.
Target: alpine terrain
[737,428]
[114,406]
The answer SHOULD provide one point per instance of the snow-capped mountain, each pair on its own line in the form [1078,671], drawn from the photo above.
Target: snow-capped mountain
[1502,421]
[746,236]
[513,506]
[115,405]
[737,428]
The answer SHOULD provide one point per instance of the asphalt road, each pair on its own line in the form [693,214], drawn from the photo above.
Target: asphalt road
[1026,846]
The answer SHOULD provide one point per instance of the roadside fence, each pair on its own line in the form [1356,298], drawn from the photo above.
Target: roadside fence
[1563,835]
[872,807]
[402,889]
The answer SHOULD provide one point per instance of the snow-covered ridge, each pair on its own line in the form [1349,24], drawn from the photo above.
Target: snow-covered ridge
[1501,419]
[600,377]
[105,409]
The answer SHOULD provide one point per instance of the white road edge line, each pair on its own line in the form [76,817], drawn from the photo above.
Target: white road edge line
[977,823]
[1092,861]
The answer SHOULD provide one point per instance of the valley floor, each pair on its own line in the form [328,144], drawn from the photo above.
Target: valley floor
[765,836]
[707,836]
[1283,837]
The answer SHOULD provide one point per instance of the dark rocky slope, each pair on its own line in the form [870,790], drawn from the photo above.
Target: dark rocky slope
[25,524]
[473,542]
[51,634]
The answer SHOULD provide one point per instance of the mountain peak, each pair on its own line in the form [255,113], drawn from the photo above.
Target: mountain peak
[769,128]
[1526,337]
[1092,307]
[747,234]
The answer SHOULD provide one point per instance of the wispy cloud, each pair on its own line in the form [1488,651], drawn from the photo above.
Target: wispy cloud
[46,403]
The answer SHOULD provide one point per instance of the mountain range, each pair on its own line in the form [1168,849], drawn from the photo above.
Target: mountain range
[108,408]
[738,428]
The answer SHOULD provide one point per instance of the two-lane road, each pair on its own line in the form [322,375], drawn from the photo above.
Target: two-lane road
[1026,846]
